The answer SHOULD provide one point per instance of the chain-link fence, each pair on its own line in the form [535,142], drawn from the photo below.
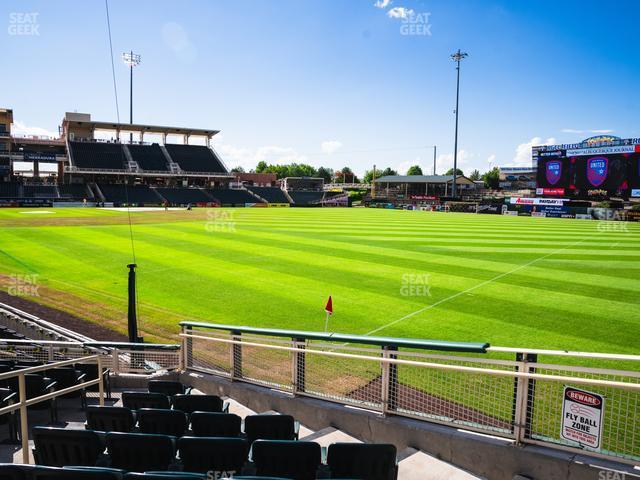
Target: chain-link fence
[521,399]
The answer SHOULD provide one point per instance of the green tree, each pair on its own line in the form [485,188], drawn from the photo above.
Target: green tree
[475,175]
[262,167]
[492,178]
[325,173]
[414,170]
[450,171]
[237,170]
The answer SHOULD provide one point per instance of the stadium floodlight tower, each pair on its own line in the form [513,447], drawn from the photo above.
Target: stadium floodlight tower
[132,60]
[456,57]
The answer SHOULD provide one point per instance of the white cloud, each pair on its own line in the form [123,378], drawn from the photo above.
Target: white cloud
[400,12]
[20,128]
[522,157]
[491,159]
[382,3]
[248,158]
[330,146]
[177,39]
[583,132]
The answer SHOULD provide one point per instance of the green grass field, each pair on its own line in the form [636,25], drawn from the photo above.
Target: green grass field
[511,281]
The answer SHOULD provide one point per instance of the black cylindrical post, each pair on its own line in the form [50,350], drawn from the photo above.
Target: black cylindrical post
[132,316]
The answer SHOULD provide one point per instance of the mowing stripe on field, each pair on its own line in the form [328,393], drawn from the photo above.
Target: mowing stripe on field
[470,289]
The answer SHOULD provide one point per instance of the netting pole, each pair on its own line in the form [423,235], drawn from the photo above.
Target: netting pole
[299,366]
[236,356]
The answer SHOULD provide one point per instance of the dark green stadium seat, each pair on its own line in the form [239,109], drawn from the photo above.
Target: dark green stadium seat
[215,424]
[57,447]
[110,419]
[162,421]
[66,377]
[286,458]
[270,427]
[204,454]
[360,460]
[201,403]
[167,387]
[10,471]
[140,452]
[90,371]
[76,473]
[138,400]
[165,476]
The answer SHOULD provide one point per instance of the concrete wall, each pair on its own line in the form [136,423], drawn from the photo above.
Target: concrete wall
[483,455]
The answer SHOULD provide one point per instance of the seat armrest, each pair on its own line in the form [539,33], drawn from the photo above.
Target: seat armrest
[10,399]
[51,386]
[296,429]
[225,407]
[82,377]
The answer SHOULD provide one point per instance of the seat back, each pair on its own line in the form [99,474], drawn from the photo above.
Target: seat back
[166,422]
[57,447]
[269,427]
[359,460]
[75,473]
[140,452]
[286,458]
[167,387]
[10,471]
[65,376]
[201,403]
[214,424]
[167,476]
[226,456]
[110,419]
[138,400]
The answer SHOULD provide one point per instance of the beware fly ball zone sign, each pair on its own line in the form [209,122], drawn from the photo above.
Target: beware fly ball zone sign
[582,414]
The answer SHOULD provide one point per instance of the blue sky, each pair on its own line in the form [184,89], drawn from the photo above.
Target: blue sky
[336,82]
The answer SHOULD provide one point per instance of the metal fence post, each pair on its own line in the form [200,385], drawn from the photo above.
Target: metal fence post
[188,348]
[523,399]
[236,356]
[389,380]
[299,366]
[116,361]
[101,383]
[24,423]
[51,353]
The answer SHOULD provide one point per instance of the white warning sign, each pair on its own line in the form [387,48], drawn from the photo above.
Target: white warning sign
[582,414]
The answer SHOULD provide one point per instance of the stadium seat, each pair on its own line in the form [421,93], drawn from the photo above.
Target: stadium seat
[165,476]
[161,421]
[215,424]
[36,385]
[8,397]
[286,458]
[10,471]
[360,460]
[138,400]
[200,403]
[270,427]
[204,454]
[76,473]
[110,419]
[270,194]
[97,155]
[148,157]
[91,373]
[195,158]
[57,447]
[140,452]
[66,377]
[167,387]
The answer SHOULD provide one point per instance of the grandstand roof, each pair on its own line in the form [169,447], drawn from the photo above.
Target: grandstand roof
[138,127]
[422,179]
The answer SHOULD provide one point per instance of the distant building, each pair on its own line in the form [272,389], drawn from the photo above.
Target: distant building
[417,187]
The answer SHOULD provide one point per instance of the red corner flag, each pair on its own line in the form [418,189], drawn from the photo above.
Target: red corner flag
[329,307]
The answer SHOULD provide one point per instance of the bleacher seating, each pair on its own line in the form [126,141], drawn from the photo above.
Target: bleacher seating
[10,190]
[306,198]
[199,454]
[110,419]
[57,447]
[270,194]
[39,191]
[184,196]
[148,157]
[195,158]
[200,403]
[359,460]
[75,191]
[167,387]
[232,197]
[140,452]
[135,194]
[94,155]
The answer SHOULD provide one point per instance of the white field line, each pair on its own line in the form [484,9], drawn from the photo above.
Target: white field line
[470,289]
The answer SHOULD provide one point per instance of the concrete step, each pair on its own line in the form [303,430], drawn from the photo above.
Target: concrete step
[238,408]
[329,435]
[417,465]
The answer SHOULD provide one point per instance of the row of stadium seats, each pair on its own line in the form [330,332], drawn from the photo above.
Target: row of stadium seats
[130,194]
[306,198]
[111,156]
[270,194]
[141,452]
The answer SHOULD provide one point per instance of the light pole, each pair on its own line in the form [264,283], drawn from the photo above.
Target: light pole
[133,60]
[435,149]
[456,57]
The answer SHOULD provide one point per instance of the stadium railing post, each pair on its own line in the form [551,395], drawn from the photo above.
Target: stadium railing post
[101,383]
[188,347]
[524,392]
[236,356]
[299,366]
[116,361]
[389,380]
[24,423]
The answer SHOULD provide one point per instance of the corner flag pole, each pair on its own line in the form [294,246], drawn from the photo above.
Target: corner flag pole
[329,310]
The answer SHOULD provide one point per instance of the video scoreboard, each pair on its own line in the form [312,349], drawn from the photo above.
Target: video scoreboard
[598,167]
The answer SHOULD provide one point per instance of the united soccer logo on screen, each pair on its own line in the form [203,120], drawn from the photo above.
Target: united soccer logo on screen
[554,171]
[597,170]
